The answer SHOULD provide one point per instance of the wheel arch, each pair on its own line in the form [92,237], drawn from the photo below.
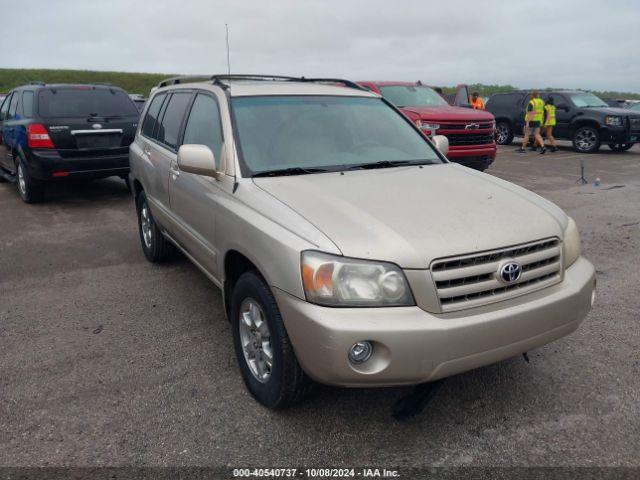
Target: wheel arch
[235,264]
[585,122]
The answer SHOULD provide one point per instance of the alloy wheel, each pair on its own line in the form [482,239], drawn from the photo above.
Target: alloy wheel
[586,139]
[255,339]
[502,133]
[145,222]
[22,184]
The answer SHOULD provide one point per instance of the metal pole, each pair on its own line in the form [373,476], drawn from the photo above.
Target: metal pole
[226,26]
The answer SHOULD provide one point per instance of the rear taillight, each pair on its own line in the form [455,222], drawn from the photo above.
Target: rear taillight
[38,137]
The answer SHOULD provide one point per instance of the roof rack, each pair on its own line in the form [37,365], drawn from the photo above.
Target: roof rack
[37,82]
[220,78]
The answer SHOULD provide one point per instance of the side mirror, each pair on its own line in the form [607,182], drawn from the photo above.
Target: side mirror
[562,106]
[198,159]
[442,144]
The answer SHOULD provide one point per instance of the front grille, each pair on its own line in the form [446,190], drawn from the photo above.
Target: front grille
[473,280]
[466,126]
[469,139]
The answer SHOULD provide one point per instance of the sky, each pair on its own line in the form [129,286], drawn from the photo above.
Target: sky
[526,43]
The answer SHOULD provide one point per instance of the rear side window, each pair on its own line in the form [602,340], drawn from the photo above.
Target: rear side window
[505,100]
[172,120]
[151,117]
[27,104]
[13,107]
[203,126]
[84,102]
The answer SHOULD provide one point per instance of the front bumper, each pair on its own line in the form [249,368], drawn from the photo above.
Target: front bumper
[619,135]
[413,346]
[50,165]
[478,157]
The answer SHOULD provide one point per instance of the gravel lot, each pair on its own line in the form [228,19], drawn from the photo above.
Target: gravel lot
[107,360]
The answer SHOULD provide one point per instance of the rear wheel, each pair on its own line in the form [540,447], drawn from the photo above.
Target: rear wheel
[30,190]
[264,352]
[155,247]
[504,133]
[620,147]
[586,140]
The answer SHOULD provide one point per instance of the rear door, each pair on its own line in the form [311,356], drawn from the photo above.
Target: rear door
[5,152]
[161,151]
[195,199]
[88,121]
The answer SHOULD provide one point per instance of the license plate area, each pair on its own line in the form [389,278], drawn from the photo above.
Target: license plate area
[103,140]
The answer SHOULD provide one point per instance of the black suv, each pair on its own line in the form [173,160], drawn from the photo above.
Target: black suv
[581,117]
[51,132]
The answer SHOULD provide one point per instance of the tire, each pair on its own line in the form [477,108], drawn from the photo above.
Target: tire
[504,133]
[30,190]
[256,322]
[125,178]
[155,247]
[620,147]
[586,140]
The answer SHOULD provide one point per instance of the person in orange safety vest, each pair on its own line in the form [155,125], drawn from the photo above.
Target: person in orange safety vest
[476,102]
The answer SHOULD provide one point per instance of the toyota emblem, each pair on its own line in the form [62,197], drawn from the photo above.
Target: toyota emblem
[510,272]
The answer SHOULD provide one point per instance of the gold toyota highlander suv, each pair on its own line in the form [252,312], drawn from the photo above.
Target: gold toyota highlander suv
[348,249]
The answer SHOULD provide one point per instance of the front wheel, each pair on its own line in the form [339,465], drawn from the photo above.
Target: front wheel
[620,147]
[264,352]
[504,133]
[586,140]
[30,190]
[155,247]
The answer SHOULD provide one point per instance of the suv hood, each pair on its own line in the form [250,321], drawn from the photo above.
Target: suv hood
[620,112]
[445,113]
[411,216]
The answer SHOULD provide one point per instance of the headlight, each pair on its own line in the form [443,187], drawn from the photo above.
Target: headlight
[346,282]
[613,121]
[571,243]
[493,125]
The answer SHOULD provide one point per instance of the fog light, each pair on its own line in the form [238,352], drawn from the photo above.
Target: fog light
[360,352]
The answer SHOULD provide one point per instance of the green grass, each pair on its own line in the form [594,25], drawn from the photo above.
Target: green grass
[143,82]
[131,82]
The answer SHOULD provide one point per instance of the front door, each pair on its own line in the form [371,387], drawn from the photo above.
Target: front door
[195,198]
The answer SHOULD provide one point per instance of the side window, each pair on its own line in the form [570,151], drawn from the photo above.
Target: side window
[13,107]
[203,126]
[151,117]
[172,119]
[27,104]
[4,110]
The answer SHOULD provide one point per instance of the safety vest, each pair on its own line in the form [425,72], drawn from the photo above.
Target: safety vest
[478,104]
[550,120]
[538,110]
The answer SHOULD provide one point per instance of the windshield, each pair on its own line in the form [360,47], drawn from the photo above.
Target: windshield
[412,96]
[586,100]
[84,102]
[324,132]
[635,106]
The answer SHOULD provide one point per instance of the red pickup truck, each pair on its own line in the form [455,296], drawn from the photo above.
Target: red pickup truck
[471,133]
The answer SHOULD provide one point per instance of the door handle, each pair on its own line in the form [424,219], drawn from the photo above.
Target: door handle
[146,151]
[174,171]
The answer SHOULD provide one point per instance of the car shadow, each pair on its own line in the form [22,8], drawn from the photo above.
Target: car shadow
[80,192]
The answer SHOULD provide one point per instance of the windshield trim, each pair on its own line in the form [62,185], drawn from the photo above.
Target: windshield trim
[246,172]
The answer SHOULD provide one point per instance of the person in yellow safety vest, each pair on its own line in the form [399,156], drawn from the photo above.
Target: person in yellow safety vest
[550,122]
[533,118]
[476,102]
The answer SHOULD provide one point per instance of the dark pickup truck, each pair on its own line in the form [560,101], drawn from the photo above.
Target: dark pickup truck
[581,117]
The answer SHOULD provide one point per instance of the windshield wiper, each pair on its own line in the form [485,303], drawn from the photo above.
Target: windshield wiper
[290,171]
[388,164]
